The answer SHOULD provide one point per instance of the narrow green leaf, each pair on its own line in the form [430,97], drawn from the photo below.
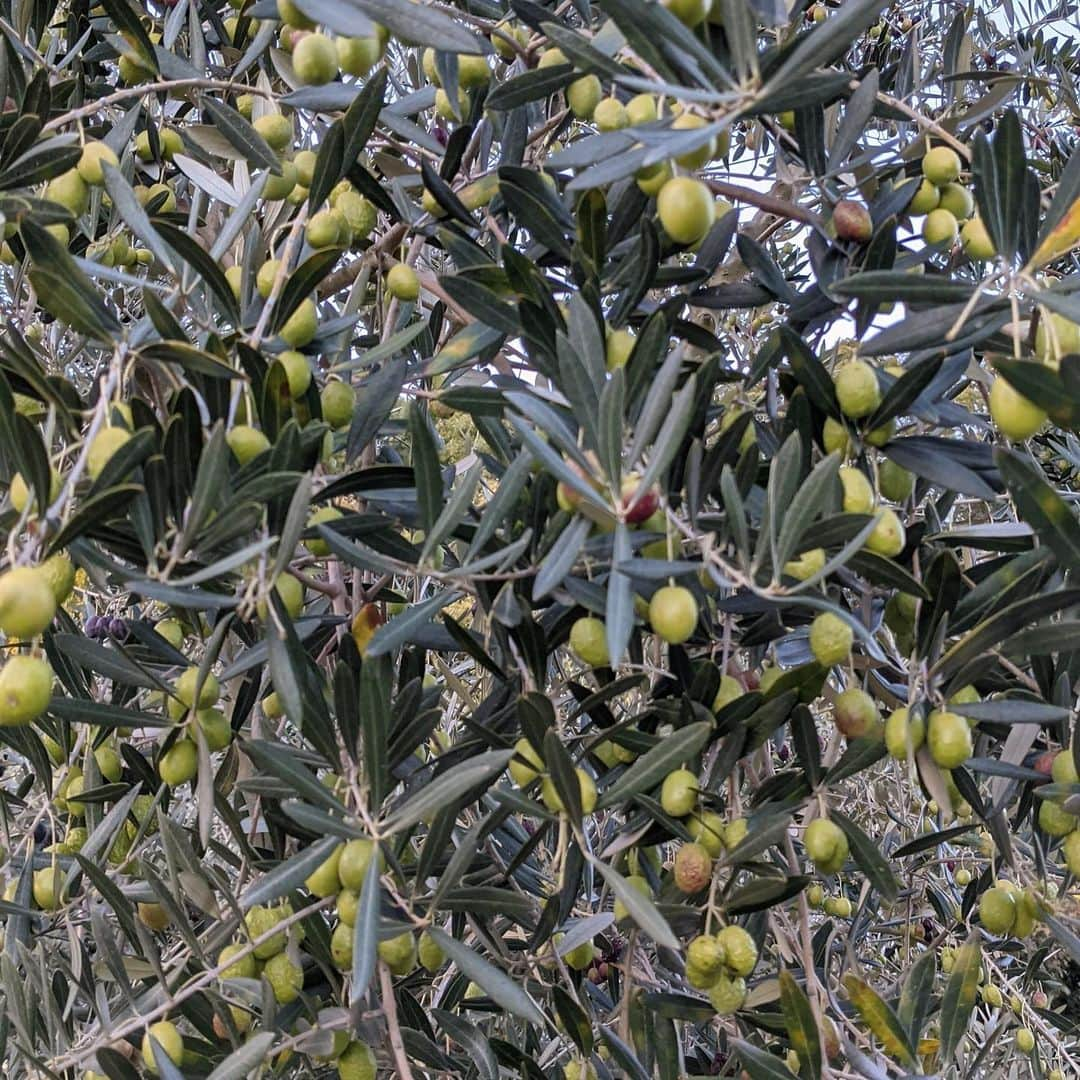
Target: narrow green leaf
[496,984]
[290,874]
[447,788]
[958,1001]
[678,749]
[917,995]
[365,953]
[642,911]
[868,856]
[246,1060]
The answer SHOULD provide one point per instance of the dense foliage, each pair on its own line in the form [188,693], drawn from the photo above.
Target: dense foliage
[539,539]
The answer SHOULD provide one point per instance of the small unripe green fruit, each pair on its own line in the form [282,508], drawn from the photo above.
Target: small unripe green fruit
[69,190]
[315,60]
[260,921]
[673,613]
[526,765]
[941,165]
[166,1035]
[291,592]
[20,495]
[586,786]
[700,156]
[304,162]
[831,639]
[958,200]
[707,829]
[552,58]
[975,240]
[234,275]
[1054,821]
[997,910]
[354,861]
[740,949]
[347,905]
[686,209]
[341,946]
[360,214]
[940,228]
[826,845]
[610,115]
[276,130]
[95,156]
[705,959]
[473,71]
[357,55]
[48,888]
[926,198]
[839,907]
[806,565]
[618,346]
[689,12]
[855,713]
[857,389]
[325,229]
[301,325]
[730,690]
[949,738]
[639,884]
[26,687]
[858,493]
[888,537]
[583,95]
[895,482]
[651,180]
[153,916]
[285,977]
[292,16]
[1063,769]
[399,953]
[728,994]
[445,108]
[338,399]
[357,1062]
[679,793]
[27,602]
[588,642]
[209,691]
[1055,337]
[265,276]
[430,953]
[1014,415]
[243,967]
[900,730]
[641,109]
[402,282]
[166,195]
[246,442]
[280,187]
[106,442]
[179,763]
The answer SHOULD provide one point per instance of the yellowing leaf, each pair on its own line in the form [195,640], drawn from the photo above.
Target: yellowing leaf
[1063,237]
[881,1020]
